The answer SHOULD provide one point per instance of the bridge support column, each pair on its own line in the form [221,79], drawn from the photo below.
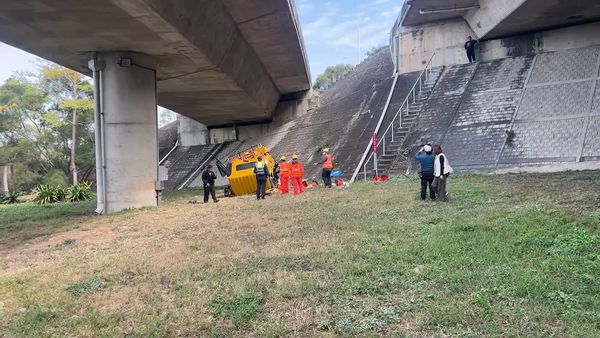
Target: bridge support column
[128,149]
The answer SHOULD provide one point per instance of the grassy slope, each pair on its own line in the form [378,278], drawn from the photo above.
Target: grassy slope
[513,255]
[24,221]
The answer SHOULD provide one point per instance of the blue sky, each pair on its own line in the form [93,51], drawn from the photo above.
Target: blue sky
[330,29]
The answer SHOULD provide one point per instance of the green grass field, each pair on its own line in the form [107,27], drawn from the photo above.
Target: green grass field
[512,255]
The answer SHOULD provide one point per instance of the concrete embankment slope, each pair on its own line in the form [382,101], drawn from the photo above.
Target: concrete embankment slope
[347,116]
[514,113]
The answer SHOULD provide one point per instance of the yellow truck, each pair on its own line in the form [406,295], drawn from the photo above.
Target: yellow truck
[240,170]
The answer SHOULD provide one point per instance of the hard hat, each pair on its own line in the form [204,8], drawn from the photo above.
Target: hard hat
[294,157]
[283,158]
[427,148]
[326,150]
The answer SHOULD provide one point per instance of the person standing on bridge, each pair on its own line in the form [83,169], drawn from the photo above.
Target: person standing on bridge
[327,162]
[208,180]
[441,171]
[262,175]
[470,48]
[426,159]
[297,173]
[284,175]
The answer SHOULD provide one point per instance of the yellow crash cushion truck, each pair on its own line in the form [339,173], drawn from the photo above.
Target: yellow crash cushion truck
[241,175]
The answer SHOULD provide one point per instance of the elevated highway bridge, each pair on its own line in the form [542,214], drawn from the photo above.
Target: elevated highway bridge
[214,61]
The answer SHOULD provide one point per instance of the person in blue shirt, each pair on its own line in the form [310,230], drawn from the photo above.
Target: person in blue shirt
[426,159]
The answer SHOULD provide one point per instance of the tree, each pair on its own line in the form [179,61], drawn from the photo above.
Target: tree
[46,127]
[70,93]
[165,116]
[25,138]
[374,50]
[331,75]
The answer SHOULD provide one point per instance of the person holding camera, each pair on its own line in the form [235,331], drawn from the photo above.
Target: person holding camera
[426,159]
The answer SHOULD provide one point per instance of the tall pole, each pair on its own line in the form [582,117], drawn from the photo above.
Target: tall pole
[359,49]
[357,31]
[5,179]
[97,66]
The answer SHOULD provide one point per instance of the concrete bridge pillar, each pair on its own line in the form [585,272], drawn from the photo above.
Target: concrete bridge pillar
[129,132]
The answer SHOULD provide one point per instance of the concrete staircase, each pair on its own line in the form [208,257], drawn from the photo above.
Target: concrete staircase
[408,120]
[184,161]
[514,113]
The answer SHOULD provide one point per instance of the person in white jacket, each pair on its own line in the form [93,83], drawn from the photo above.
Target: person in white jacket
[441,171]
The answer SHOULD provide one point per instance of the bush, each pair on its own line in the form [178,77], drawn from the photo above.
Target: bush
[24,178]
[79,192]
[45,193]
[10,197]
[55,178]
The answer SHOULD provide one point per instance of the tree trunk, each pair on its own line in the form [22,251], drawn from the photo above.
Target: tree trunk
[87,172]
[73,166]
[5,187]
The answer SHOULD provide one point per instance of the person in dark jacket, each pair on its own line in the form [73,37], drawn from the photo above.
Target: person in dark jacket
[208,180]
[470,48]
[276,171]
[426,159]
[262,174]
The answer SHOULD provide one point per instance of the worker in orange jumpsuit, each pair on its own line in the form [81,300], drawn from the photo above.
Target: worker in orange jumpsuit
[284,175]
[327,162]
[297,173]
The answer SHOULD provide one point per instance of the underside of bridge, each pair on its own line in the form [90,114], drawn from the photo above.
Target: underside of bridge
[491,19]
[215,61]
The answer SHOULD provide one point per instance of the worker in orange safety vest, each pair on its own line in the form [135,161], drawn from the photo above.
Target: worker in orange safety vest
[284,175]
[327,162]
[297,173]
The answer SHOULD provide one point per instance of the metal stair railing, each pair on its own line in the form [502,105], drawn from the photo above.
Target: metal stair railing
[207,158]
[169,153]
[388,135]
